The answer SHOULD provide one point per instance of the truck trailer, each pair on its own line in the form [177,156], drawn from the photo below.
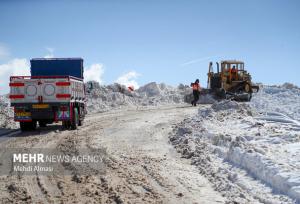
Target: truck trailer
[54,92]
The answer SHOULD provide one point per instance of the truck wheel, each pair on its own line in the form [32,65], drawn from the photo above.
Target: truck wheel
[24,126]
[33,125]
[66,124]
[80,120]
[42,124]
[75,119]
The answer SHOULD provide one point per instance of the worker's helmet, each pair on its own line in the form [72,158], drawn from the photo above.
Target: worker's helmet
[197,81]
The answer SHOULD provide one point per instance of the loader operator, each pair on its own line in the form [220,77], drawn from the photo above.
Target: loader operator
[233,73]
[196,91]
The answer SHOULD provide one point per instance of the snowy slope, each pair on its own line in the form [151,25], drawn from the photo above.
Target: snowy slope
[254,148]
[6,114]
[115,96]
[283,99]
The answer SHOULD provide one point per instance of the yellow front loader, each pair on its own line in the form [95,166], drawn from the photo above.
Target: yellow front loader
[231,80]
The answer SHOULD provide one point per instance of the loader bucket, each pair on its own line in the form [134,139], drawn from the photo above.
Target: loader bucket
[255,88]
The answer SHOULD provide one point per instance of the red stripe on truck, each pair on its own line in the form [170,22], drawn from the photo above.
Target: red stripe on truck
[27,120]
[63,83]
[63,95]
[16,96]
[16,84]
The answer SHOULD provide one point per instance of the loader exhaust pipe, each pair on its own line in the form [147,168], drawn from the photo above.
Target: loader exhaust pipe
[210,67]
[218,70]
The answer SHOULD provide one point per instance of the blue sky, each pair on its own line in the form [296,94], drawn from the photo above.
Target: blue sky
[169,41]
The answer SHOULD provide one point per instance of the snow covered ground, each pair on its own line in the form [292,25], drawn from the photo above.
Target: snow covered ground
[283,99]
[6,114]
[250,151]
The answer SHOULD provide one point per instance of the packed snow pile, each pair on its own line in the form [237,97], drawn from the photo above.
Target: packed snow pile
[228,105]
[204,97]
[6,114]
[249,151]
[103,98]
[284,99]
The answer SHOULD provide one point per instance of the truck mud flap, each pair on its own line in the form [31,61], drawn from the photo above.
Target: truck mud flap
[63,113]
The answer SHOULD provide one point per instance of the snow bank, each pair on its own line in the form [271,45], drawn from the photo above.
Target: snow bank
[246,153]
[115,96]
[103,98]
[203,98]
[229,105]
[284,99]
[6,114]
[151,89]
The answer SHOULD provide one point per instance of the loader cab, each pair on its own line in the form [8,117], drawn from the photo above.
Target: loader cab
[226,66]
[232,70]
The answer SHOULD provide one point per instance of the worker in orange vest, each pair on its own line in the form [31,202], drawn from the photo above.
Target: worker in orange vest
[196,91]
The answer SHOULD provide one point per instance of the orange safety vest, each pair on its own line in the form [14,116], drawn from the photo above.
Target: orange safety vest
[196,87]
[233,71]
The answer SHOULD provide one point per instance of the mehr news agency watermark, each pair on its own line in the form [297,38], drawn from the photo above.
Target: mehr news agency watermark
[35,159]
[51,161]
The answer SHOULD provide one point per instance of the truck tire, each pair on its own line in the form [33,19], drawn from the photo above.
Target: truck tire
[33,125]
[80,122]
[26,126]
[75,119]
[80,119]
[42,124]
[66,124]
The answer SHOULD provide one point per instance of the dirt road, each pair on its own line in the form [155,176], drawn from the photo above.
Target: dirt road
[142,166]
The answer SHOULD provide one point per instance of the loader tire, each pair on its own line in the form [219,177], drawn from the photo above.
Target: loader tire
[223,94]
[247,88]
[249,97]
